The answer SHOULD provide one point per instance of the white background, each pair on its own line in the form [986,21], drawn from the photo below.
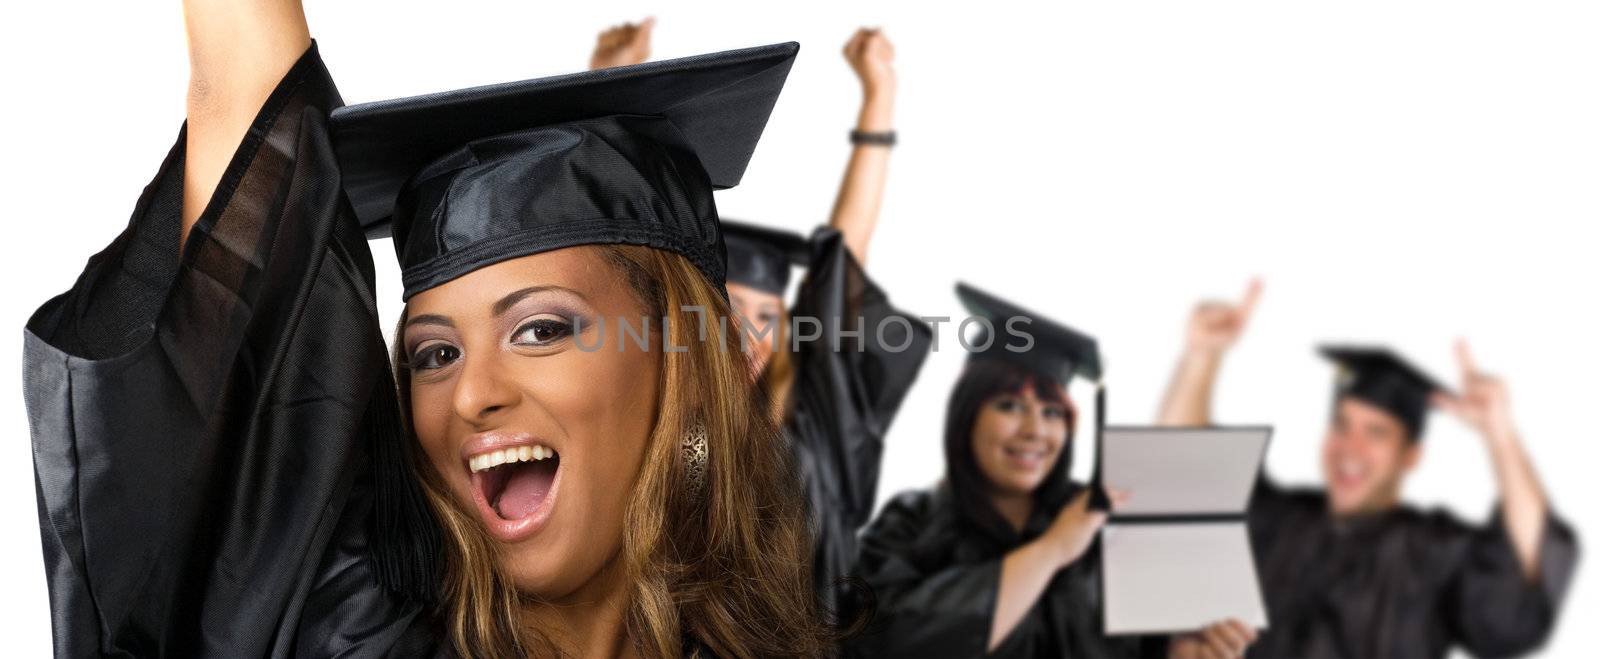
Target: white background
[1404,172]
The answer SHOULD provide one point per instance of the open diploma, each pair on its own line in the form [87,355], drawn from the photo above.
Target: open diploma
[1177,556]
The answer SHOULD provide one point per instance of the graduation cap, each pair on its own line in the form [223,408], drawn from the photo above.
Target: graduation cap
[761,257]
[1381,377]
[627,155]
[1055,349]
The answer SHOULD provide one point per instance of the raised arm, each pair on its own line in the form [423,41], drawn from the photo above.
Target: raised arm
[855,210]
[622,45]
[1027,570]
[238,51]
[1484,405]
[141,364]
[1213,328]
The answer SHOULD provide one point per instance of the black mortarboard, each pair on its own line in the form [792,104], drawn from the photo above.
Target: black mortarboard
[625,155]
[1056,349]
[761,257]
[1382,378]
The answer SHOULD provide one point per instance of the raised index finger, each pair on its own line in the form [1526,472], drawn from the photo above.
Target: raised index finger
[1469,366]
[1252,294]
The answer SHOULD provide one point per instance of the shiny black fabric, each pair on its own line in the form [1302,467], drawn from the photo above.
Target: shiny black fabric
[614,180]
[847,390]
[937,578]
[761,257]
[1404,583]
[626,155]
[1390,394]
[1382,378]
[201,423]
[1026,339]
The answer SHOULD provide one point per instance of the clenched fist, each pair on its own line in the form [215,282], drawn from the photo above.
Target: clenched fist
[871,55]
[1216,325]
[622,45]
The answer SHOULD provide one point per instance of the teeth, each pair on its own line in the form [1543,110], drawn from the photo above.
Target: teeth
[1024,453]
[1351,469]
[492,459]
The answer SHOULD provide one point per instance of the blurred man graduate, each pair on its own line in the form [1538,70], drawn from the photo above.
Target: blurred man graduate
[1348,569]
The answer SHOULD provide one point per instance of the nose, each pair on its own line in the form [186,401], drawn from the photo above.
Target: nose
[1032,422]
[481,390]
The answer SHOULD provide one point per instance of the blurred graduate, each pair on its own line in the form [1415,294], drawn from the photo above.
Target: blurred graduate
[838,384]
[1349,570]
[1000,558]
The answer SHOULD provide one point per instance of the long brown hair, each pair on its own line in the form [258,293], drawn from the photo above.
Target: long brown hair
[727,569]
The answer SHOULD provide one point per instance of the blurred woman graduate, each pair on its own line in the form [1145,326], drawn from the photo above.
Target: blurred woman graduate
[1000,558]
[836,365]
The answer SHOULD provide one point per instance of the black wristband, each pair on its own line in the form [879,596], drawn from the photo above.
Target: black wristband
[872,138]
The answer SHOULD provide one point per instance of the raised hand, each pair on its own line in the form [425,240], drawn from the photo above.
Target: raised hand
[871,55]
[1218,641]
[622,45]
[855,210]
[1215,325]
[1074,528]
[1484,404]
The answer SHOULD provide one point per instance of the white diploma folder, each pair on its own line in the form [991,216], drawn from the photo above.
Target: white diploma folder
[1176,557]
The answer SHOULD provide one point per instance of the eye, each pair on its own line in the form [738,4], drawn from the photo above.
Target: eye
[1007,405]
[432,356]
[1055,412]
[542,331]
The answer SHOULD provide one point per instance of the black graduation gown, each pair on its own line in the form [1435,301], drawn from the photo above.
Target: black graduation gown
[1404,583]
[936,580]
[199,422]
[847,390]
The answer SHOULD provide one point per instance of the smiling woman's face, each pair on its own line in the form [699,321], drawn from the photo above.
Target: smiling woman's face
[542,439]
[1017,439]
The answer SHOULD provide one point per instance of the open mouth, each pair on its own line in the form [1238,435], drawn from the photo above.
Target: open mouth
[1349,474]
[515,488]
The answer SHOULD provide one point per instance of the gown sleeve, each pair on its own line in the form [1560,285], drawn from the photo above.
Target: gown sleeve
[197,418]
[922,610]
[1493,607]
[849,383]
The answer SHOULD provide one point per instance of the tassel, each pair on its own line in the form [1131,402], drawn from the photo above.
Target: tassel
[406,538]
[1098,499]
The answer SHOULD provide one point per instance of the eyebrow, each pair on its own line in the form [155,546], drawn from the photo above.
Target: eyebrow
[429,319]
[511,299]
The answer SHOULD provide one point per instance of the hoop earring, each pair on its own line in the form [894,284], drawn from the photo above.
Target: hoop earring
[694,459]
